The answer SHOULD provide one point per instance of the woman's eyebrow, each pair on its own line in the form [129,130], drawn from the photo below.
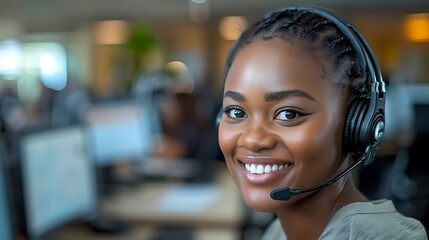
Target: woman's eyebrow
[279,95]
[235,96]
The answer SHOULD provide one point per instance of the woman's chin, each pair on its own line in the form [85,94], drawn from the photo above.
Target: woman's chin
[260,201]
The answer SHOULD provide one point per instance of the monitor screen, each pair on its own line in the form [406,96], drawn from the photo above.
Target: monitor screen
[119,130]
[5,215]
[58,178]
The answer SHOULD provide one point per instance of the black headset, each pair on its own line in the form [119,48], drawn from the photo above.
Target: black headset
[365,122]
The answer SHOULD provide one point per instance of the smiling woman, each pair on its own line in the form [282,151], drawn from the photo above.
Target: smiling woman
[303,105]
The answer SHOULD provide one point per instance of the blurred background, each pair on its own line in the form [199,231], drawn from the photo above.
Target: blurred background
[107,115]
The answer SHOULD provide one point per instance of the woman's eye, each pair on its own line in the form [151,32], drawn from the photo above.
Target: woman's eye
[287,115]
[235,113]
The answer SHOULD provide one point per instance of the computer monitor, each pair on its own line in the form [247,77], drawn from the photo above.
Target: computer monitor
[120,130]
[58,180]
[418,148]
[6,223]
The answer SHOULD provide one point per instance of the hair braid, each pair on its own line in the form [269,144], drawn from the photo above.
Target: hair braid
[298,25]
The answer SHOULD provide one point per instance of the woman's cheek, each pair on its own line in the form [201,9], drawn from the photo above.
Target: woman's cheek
[227,140]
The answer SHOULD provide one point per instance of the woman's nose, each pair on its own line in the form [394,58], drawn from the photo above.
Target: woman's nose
[257,138]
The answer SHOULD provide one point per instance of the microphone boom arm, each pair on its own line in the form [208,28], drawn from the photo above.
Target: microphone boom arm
[286,193]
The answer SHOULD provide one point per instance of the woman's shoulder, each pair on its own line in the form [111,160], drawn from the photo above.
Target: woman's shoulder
[363,220]
[373,220]
[274,231]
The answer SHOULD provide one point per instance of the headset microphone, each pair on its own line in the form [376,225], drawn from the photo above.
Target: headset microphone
[285,193]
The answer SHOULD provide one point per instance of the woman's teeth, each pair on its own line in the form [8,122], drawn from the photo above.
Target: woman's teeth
[261,169]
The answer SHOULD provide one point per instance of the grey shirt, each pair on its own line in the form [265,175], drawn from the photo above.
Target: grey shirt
[363,220]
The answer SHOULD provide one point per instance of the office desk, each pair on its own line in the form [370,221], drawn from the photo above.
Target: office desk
[213,211]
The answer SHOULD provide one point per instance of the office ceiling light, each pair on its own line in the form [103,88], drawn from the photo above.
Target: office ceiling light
[416,27]
[111,32]
[231,27]
[199,1]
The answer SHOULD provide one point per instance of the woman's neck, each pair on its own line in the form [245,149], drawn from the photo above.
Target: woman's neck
[308,217]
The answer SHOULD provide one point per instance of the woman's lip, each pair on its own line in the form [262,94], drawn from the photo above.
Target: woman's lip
[263,177]
[262,160]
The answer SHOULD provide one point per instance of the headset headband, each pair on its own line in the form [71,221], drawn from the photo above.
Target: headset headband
[364,53]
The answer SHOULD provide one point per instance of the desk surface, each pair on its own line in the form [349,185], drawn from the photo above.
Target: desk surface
[146,232]
[147,208]
[147,202]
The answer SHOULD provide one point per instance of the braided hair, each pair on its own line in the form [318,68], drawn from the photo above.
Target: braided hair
[315,33]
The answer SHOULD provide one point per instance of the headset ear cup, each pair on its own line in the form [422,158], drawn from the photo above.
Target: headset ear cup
[353,142]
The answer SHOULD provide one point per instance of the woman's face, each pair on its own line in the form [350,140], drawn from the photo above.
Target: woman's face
[283,121]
